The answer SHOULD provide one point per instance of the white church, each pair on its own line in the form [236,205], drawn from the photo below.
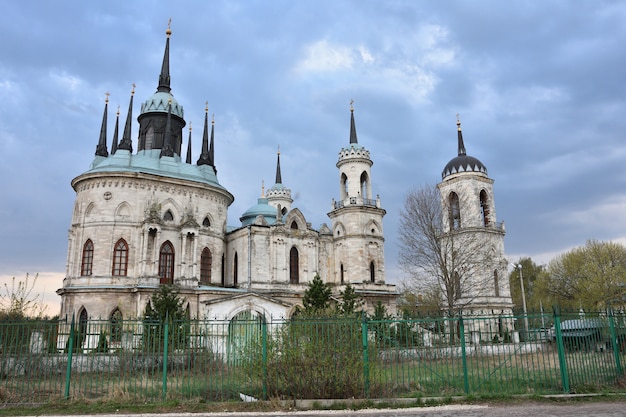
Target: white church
[154,217]
[150,217]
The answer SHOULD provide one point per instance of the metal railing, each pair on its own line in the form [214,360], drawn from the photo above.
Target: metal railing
[46,361]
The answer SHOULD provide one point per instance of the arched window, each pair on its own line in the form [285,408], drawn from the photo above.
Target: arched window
[455,211]
[372,272]
[206,222]
[484,207]
[205,266]
[341,273]
[364,186]
[83,318]
[344,186]
[87,263]
[168,216]
[235,270]
[120,258]
[116,322]
[294,266]
[294,225]
[149,138]
[166,263]
[496,284]
[223,274]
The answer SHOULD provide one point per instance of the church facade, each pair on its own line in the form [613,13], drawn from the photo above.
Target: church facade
[152,217]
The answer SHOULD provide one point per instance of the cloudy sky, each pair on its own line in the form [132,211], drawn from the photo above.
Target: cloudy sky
[540,87]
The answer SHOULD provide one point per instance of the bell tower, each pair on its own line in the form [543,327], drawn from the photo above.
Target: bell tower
[472,236]
[357,218]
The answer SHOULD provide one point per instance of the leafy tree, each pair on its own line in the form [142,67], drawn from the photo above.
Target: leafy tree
[534,276]
[19,301]
[165,306]
[590,276]
[317,296]
[453,260]
[350,303]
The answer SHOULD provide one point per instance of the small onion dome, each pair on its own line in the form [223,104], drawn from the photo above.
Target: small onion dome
[261,208]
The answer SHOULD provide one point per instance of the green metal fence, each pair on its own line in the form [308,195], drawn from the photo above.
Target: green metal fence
[215,360]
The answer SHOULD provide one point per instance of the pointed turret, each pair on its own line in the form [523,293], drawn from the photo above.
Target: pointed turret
[127,143]
[211,145]
[167,141]
[353,138]
[101,148]
[116,131]
[205,158]
[462,163]
[188,160]
[164,77]
[278,195]
[279,179]
[460,136]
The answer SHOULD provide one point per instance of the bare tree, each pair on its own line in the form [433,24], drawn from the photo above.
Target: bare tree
[19,301]
[437,250]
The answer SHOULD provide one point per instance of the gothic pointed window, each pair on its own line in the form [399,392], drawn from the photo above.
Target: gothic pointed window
[116,325]
[496,284]
[83,319]
[149,138]
[341,273]
[484,208]
[454,211]
[168,216]
[223,274]
[205,266]
[120,258]
[235,270]
[87,261]
[294,266]
[344,186]
[294,225]
[206,222]
[364,185]
[372,272]
[166,263]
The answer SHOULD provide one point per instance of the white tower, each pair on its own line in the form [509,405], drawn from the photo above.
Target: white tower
[471,229]
[357,218]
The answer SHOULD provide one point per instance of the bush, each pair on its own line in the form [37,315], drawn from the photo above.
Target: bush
[316,359]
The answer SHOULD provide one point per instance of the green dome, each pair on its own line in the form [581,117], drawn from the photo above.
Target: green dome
[262,208]
[159,103]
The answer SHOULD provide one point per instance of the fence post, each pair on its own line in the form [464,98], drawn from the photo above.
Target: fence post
[70,350]
[366,365]
[165,347]
[614,343]
[264,356]
[560,348]
[463,354]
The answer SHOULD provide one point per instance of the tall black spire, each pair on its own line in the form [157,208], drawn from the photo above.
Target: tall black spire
[352,126]
[460,136]
[101,148]
[205,157]
[116,132]
[188,160]
[164,77]
[211,145]
[279,179]
[167,149]
[127,143]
